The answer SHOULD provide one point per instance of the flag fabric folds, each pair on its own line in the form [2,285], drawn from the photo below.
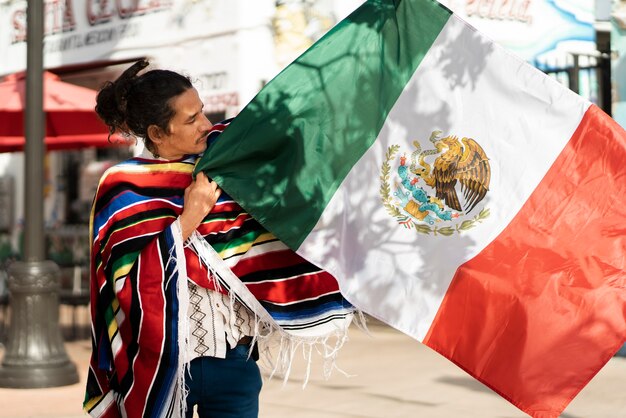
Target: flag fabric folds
[454,191]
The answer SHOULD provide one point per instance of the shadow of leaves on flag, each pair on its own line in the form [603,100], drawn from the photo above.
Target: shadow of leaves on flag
[303,157]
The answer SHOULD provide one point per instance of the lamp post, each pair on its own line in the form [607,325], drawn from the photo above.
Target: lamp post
[35,356]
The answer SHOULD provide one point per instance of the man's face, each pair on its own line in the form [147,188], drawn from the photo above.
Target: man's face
[188,128]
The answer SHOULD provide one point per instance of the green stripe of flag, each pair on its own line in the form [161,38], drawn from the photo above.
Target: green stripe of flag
[287,152]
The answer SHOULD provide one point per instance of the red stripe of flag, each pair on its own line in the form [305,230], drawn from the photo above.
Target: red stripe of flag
[542,308]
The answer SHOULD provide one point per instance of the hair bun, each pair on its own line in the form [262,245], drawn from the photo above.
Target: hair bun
[112,99]
[124,83]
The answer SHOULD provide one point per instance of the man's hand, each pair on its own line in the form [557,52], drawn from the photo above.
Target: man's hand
[200,197]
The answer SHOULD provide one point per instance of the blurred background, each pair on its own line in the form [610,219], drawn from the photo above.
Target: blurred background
[230,49]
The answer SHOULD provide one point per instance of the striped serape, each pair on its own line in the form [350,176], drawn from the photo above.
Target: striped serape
[139,294]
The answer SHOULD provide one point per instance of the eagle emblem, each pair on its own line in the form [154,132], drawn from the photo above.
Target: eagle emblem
[437,189]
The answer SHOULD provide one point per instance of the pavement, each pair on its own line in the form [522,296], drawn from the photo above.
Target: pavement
[390,375]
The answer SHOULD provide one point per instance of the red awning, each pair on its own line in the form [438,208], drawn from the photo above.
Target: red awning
[71,121]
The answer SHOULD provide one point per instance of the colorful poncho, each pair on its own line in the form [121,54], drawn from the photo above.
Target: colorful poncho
[139,267]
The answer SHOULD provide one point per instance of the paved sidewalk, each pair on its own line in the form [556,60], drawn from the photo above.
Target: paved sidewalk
[393,376]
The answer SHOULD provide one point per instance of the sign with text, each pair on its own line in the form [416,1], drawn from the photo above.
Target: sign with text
[78,31]
[535,30]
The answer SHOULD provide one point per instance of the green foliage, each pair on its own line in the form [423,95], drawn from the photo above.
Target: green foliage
[385,188]
[447,231]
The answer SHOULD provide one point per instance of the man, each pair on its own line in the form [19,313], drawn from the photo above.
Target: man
[184,281]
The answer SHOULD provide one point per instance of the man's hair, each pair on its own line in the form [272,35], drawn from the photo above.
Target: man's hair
[133,102]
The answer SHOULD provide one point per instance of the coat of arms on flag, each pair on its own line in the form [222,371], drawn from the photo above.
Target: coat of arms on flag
[436,189]
[515,298]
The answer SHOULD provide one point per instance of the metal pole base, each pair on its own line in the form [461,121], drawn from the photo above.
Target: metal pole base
[38,377]
[35,356]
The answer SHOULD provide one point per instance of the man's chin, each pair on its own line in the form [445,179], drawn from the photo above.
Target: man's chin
[201,148]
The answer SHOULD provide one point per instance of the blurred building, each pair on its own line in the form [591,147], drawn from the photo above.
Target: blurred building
[618,41]
[229,48]
[557,37]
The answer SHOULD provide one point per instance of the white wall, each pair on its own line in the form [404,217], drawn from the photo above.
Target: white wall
[255,52]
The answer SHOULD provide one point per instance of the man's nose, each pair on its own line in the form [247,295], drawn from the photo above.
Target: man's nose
[207,125]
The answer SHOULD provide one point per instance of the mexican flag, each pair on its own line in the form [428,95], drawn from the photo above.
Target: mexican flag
[454,191]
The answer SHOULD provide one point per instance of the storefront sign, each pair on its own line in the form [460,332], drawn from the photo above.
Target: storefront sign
[78,31]
[535,30]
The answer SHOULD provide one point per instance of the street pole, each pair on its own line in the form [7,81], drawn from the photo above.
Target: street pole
[35,356]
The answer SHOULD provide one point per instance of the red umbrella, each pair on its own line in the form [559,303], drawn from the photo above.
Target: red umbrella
[71,121]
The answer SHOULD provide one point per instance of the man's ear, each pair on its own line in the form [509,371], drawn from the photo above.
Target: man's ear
[155,134]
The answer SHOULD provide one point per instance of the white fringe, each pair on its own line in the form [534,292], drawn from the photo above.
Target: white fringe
[182,292]
[267,333]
